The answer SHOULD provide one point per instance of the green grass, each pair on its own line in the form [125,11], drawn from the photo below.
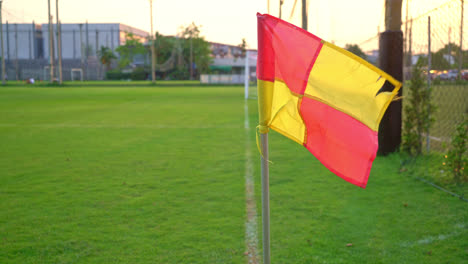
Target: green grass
[126,175]
[396,219]
[91,173]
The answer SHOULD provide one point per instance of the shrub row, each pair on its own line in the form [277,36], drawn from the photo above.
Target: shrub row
[137,74]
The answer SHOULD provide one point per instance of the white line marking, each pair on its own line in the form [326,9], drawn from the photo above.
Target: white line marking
[431,239]
[152,126]
[251,234]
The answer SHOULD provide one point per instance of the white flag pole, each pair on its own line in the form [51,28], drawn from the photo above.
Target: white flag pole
[246,75]
[265,199]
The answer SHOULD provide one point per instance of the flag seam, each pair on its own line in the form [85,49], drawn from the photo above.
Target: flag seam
[341,110]
[312,63]
[385,75]
[299,105]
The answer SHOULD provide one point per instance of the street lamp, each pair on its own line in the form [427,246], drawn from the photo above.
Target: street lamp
[153,55]
[51,44]
[1,40]
[59,43]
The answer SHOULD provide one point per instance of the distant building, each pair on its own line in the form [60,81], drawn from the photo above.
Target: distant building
[31,41]
[230,58]
[88,38]
[22,41]
[26,49]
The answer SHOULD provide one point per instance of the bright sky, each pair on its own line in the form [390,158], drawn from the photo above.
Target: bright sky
[222,21]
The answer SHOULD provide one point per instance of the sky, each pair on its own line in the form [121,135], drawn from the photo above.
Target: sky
[338,21]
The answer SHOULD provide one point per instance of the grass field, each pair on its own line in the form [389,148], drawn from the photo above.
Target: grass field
[133,173]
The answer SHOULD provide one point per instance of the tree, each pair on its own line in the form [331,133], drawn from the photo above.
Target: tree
[455,159]
[440,59]
[354,48]
[193,42]
[243,48]
[418,112]
[439,62]
[128,51]
[163,46]
[106,55]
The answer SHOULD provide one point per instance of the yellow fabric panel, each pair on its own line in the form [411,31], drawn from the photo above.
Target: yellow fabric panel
[349,84]
[265,93]
[278,109]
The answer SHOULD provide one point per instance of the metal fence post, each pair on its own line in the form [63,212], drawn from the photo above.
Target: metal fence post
[429,65]
[460,63]
[16,52]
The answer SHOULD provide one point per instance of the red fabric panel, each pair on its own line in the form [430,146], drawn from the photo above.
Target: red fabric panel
[341,143]
[266,54]
[286,52]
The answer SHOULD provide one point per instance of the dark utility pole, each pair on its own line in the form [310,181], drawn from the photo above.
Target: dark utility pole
[191,58]
[280,7]
[304,14]
[460,59]
[59,43]
[51,46]
[1,40]
[391,61]
[153,53]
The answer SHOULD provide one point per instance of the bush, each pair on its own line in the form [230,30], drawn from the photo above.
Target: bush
[179,74]
[138,74]
[455,159]
[117,75]
[418,113]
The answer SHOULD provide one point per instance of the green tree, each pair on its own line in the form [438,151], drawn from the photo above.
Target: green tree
[439,60]
[455,159]
[128,51]
[417,113]
[201,51]
[243,47]
[106,56]
[163,46]
[354,48]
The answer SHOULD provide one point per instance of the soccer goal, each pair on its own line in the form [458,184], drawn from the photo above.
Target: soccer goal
[46,75]
[76,71]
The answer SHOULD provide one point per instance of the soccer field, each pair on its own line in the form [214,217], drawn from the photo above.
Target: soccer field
[157,174]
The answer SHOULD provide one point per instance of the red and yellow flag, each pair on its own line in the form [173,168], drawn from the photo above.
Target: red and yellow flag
[321,96]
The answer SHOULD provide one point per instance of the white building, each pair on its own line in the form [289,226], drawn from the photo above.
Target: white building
[85,39]
[20,41]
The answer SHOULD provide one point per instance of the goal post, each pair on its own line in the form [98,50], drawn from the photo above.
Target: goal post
[76,70]
[246,76]
[250,91]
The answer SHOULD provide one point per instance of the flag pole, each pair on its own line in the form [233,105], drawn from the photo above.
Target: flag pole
[265,198]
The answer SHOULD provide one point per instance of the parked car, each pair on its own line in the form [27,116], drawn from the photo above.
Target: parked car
[465,75]
[450,75]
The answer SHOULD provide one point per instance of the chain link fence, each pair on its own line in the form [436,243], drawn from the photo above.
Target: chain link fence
[433,38]
[437,38]
[435,34]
